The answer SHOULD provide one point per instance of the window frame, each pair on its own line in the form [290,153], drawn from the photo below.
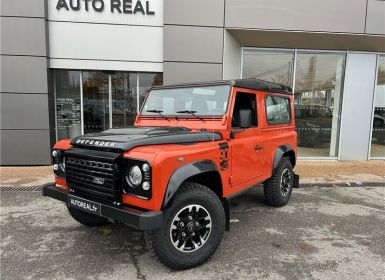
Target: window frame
[277,123]
[185,116]
[255,95]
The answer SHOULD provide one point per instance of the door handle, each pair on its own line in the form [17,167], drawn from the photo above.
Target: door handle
[258,148]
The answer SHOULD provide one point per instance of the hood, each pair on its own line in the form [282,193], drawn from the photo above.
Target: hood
[127,138]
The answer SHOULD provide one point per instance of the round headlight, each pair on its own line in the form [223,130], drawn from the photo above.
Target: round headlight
[55,167]
[54,153]
[146,167]
[146,186]
[134,176]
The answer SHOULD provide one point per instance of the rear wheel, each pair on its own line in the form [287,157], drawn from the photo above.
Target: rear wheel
[87,219]
[278,188]
[192,229]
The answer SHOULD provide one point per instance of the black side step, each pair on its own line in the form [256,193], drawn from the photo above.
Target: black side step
[296,181]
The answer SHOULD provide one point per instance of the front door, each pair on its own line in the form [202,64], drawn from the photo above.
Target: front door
[246,144]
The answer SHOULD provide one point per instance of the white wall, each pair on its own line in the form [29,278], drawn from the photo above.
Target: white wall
[357,102]
[231,57]
[80,39]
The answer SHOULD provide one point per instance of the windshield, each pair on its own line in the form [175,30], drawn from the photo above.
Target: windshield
[192,101]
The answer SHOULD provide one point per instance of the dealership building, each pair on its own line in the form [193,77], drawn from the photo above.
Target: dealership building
[70,67]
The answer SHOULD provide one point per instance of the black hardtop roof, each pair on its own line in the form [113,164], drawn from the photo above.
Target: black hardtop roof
[255,84]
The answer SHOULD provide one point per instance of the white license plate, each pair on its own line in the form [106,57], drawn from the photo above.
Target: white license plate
[84,204]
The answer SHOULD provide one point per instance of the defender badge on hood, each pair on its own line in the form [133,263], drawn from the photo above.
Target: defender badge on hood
[96,143]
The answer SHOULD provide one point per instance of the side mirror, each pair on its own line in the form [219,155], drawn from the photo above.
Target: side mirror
[244,118]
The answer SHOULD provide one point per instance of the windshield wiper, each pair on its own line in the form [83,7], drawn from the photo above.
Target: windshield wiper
[189,112]
[157,112]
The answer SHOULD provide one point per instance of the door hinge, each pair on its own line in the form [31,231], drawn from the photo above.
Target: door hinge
[230,180]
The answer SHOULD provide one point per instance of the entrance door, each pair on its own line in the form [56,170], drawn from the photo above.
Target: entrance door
[95,100]
[246,149]
[124,95]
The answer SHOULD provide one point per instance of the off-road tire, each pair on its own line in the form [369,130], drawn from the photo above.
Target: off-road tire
[159,241]
[272,186]
[87,219]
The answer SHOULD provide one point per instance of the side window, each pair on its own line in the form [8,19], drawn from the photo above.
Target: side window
[245,101]
[277,109]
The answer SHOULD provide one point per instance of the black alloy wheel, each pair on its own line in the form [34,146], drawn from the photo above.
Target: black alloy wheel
[192,228]
[285,182]
[278,188]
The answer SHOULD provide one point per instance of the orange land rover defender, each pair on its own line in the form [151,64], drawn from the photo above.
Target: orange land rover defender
[192,147]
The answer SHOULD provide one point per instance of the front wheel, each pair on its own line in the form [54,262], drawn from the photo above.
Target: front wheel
[278,188]
[192,229]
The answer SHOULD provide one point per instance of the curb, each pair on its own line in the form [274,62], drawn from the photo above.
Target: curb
[342,184]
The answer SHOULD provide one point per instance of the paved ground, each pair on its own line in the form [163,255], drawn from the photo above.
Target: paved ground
[323,233]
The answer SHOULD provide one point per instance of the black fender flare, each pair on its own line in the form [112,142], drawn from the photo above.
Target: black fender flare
[281,150]
[182,173]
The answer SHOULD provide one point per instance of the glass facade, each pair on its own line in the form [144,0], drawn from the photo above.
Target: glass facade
[68,119]
[318,96]
[316,79]
[377,149]
[93,101]
[269,65]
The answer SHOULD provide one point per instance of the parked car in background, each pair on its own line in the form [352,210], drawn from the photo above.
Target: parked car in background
[313,124]
[378,133]
[379,117]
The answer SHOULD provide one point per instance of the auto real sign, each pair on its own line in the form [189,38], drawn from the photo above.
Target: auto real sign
[115,6]
[118,35]
[130,12]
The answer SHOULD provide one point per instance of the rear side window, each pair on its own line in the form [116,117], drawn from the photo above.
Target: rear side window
[277,109]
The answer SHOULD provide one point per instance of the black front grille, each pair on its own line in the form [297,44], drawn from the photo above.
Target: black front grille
[92,176]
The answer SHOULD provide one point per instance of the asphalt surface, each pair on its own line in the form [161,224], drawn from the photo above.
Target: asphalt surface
[323,233]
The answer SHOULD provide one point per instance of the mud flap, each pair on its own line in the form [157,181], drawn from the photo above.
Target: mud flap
[226,206]
[296,181]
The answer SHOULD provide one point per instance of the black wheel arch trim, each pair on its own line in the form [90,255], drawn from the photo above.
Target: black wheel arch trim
[183,173]
[280,152]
